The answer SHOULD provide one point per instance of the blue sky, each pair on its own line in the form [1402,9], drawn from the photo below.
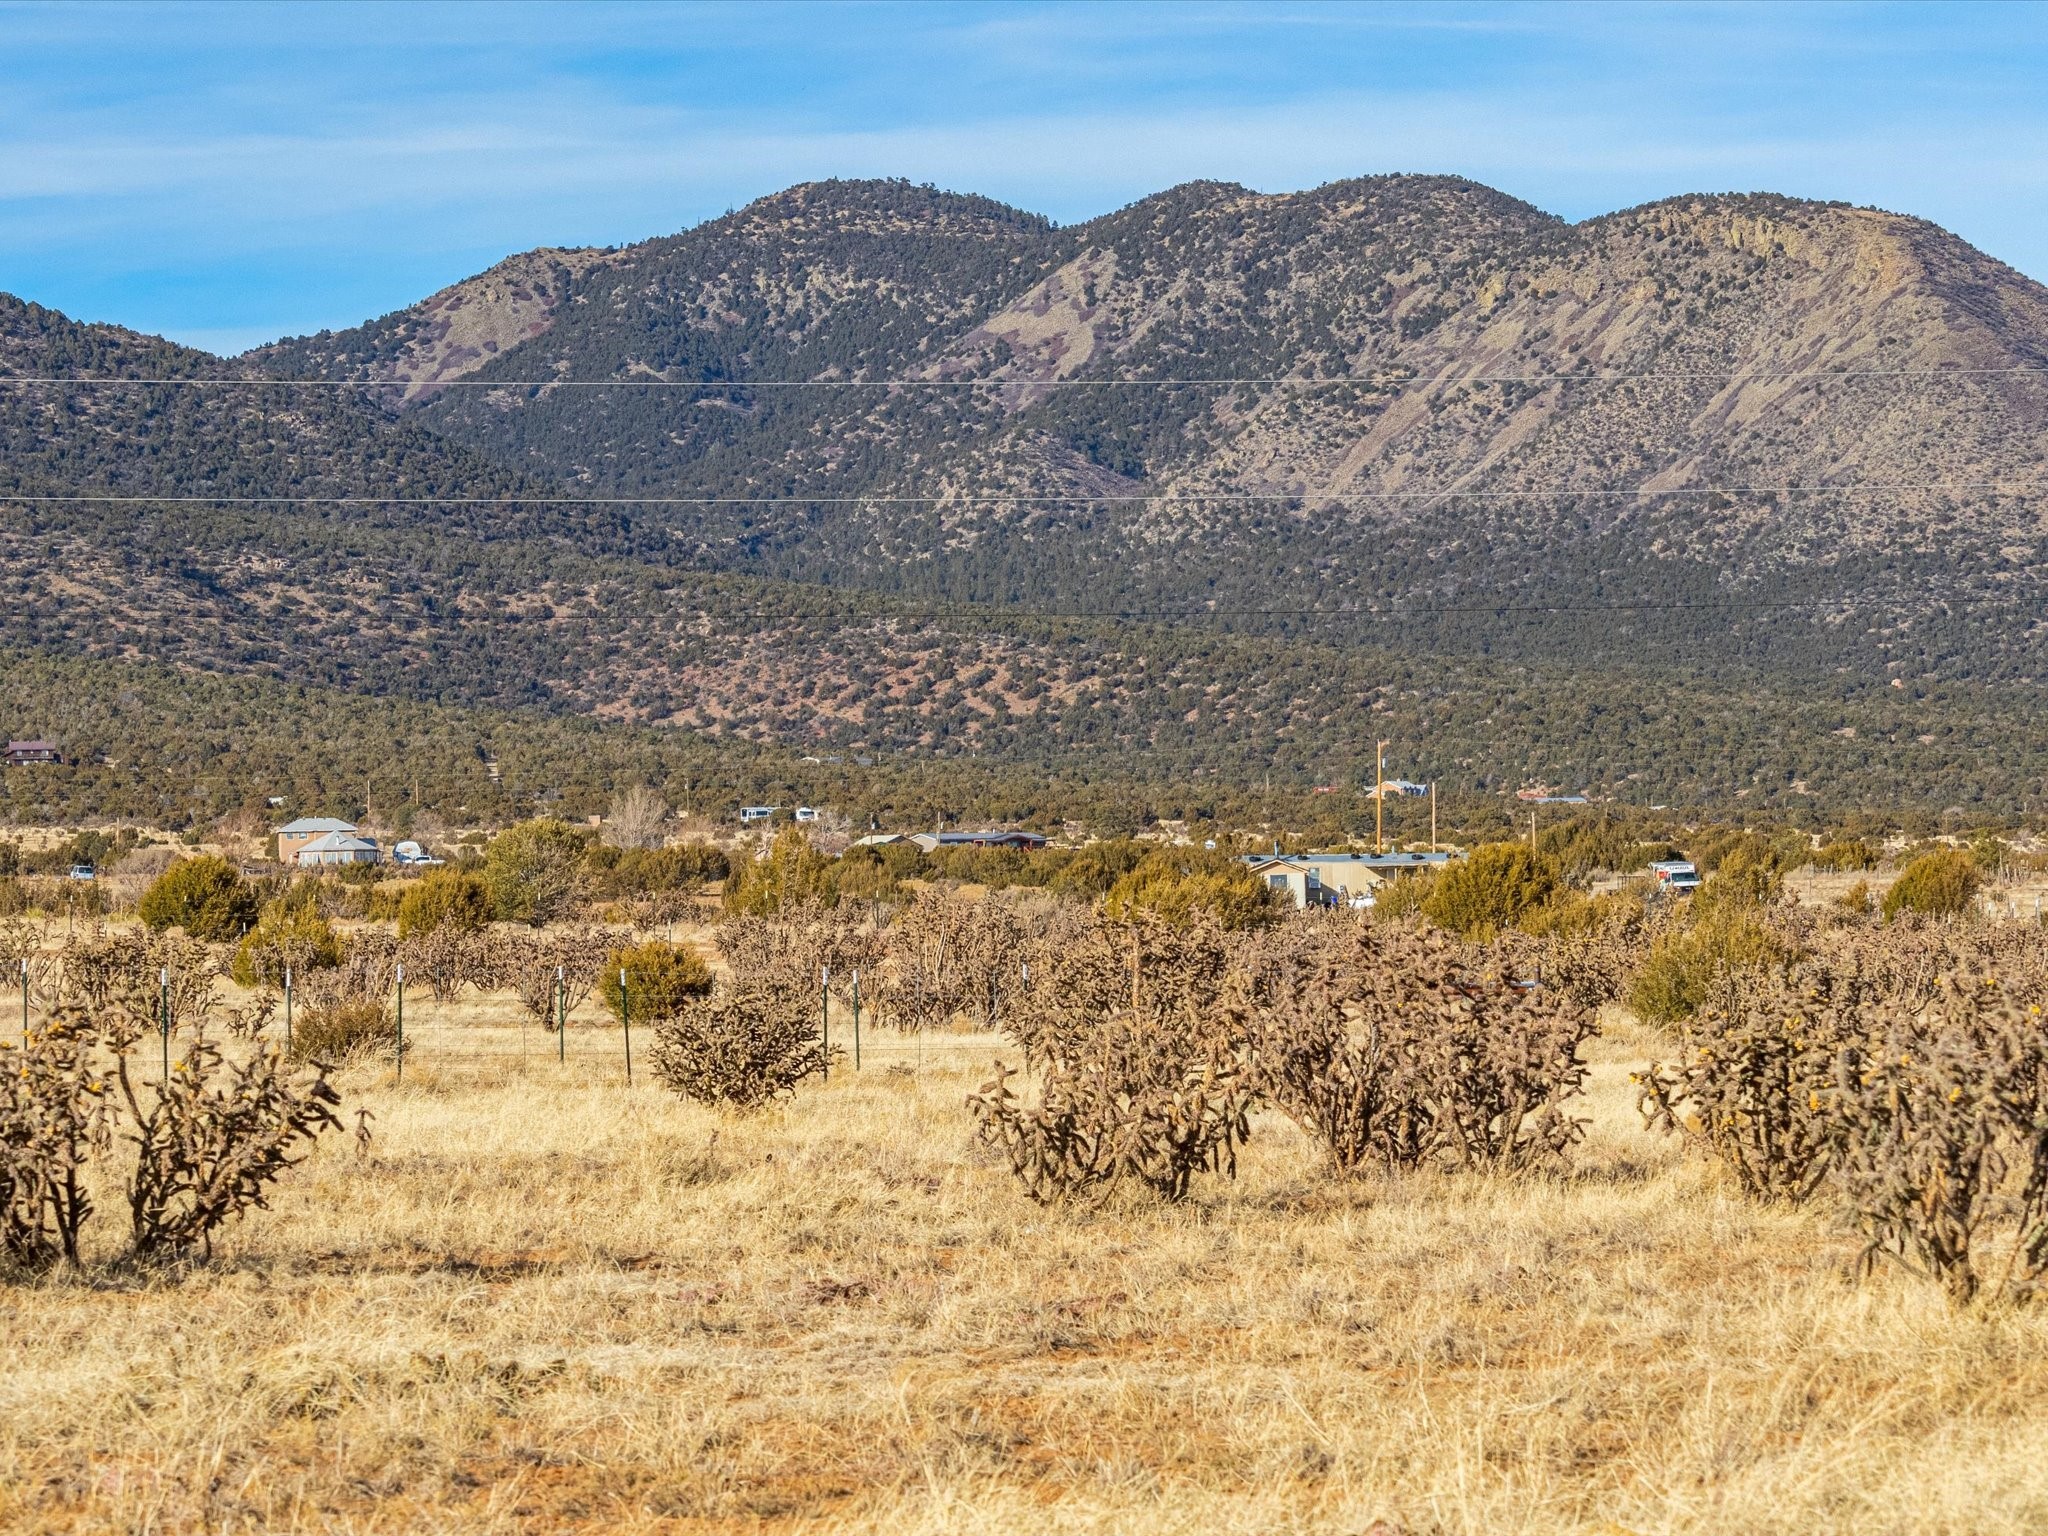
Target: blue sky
[228,174]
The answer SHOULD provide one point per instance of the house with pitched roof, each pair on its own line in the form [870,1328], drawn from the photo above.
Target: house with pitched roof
[294,836]
[337,848]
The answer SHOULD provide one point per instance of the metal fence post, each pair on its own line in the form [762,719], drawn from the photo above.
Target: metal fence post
[287,1010]
[825,1021]
[24,1005]
[561,1015]
[163,1005]
[400,1052]
[626,1018]
[856,1018]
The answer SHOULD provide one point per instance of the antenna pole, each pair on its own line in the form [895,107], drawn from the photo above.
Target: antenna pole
[1379,798]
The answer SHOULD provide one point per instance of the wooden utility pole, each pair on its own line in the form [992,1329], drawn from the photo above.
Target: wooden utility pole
[1379,799]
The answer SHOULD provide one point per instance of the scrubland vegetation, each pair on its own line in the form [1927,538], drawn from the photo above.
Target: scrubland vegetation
[1150,1206]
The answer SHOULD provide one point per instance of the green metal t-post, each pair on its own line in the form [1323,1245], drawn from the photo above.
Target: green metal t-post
[163,1008]
[626,1018]
[825,1021]
[561,1016]
[856,1018]
[399,1070]
[24,1005]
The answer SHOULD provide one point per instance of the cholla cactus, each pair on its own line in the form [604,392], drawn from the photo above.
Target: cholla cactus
[803,942]
[1399,1047]
[741,1047]
[535,965]
[56,1114]
[1137,1078]
[214,1138]
[1941,1107]
[1754,1082]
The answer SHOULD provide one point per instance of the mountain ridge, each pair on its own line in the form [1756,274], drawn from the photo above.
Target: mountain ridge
[1708,445]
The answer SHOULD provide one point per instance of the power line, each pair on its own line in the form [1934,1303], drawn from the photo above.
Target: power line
[994,612]
[1868,488]
[1594,376]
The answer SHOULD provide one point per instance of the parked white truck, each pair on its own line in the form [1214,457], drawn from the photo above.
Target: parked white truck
[1678,876]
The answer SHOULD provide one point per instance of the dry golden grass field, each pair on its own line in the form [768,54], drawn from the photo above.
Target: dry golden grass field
[543,1301]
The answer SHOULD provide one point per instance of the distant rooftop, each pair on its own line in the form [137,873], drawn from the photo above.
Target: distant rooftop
[986,839]
[307,825]
[1357,860]
[340,842]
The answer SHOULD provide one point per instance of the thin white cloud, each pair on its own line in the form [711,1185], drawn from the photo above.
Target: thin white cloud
[306,175]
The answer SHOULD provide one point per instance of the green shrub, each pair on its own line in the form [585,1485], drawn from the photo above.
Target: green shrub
[1404,895]
[660,979]
[206,896]
[1751,871]
[1678,975]
[290,933]
[1938,884]
[341,1031]
[651,871]
[862,874]
[1846,854]
[535,871]
[793,871]
[445,898]
[1573,914]
[1478,896]
[1092,870]
[1177,884]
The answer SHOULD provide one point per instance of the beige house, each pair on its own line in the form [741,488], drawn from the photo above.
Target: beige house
[1336,879]
[308,829]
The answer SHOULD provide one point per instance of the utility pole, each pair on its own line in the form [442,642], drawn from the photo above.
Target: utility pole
[1379,799]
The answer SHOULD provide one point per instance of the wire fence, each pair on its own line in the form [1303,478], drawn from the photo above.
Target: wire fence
[490,1037]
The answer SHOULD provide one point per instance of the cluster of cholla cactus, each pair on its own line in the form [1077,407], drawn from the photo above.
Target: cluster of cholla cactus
[742,1045]
[1395,1048]
[1138,1078]
[1902,1072]
[1402,1048]
[805,946]
[209,1136]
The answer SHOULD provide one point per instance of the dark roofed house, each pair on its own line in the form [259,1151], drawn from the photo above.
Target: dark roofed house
[932,842]
[20,752]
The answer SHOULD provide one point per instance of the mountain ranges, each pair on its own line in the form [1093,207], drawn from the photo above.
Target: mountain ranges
[1721,499]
